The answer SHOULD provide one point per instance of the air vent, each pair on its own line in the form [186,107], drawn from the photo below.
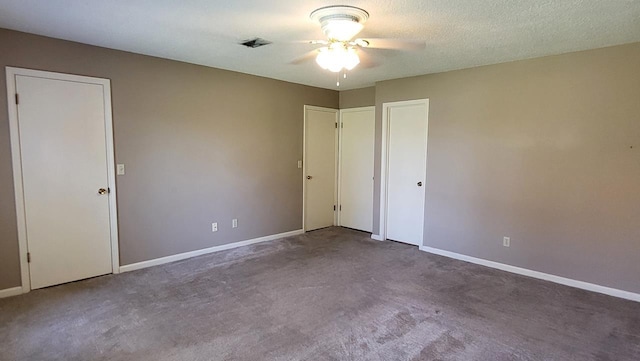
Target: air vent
[255,43]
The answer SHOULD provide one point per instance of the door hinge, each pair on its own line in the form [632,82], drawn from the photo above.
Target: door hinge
[340,207]
[342,125]
[17,99]
[28,257]
[334,208]
[336,125]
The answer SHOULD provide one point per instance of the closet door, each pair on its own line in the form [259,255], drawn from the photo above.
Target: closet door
[357,134]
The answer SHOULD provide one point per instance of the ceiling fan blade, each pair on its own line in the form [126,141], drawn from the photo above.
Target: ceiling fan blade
[305,57]
[313,42]
[366,61]
[394,44]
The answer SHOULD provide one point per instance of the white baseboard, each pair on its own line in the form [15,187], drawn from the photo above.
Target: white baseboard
[224,247]
[377,237]
[535,274]
[8,292]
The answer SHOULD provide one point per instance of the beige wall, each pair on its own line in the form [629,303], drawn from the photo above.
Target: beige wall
[199,144]
[355,98]
[546,151]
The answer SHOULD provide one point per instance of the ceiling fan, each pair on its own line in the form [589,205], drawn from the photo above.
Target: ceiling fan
[340,52]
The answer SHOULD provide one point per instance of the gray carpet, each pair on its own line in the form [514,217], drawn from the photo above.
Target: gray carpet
[332,294]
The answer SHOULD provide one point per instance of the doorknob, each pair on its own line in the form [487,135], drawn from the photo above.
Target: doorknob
[102,191]
[419,184]
[309,177]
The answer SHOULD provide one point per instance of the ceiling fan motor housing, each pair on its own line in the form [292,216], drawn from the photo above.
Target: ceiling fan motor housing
[340,23]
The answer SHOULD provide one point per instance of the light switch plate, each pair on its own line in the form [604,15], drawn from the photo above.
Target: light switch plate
[299,164]
[120,169]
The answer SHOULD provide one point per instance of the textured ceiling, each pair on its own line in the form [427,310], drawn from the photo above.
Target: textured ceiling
[458,33]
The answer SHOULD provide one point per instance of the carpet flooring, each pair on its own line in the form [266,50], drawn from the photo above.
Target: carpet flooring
[332,294]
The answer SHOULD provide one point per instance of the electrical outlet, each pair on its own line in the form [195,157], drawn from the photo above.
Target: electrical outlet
[299,164]
[214,227]
[506,241]
[234,223]
[120,169]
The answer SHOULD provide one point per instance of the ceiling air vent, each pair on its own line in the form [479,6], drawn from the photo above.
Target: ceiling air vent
[255,43]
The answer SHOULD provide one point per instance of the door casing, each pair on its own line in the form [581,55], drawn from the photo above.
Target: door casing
[11,73]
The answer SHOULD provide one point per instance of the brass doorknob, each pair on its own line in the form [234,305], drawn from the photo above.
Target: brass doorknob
[309,177]
[102,191]
[419,184]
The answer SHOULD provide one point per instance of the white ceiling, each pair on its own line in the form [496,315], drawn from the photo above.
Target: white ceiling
[458,33]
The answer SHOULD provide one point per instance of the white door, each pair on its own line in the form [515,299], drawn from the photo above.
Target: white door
[320,167]
[64,162]
[357,135]
[406,167]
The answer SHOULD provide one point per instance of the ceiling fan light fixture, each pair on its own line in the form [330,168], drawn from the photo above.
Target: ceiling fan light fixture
[351,59]
[336,58]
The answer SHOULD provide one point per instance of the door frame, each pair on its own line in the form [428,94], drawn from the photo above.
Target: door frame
[384,161]
[304,163]
[14,134]
[340,127]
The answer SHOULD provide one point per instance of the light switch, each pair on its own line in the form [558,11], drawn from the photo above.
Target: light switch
[120,169]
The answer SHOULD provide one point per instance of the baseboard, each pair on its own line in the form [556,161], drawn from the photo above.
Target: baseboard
[535,274]
[8,292]
[377,237]
[224,247]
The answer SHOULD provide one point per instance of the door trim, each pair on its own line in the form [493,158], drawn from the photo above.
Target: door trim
[14,134]
[384,161]
[304,163]
[339,184]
